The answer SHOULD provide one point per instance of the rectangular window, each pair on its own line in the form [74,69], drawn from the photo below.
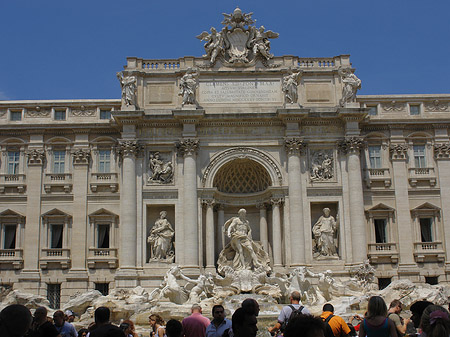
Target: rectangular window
[56,236]
[9,237]
[103,288]
[414,110]
[13,162]
[59,158]
[103,236]
[375,156]
[104,161]
[426,229]
[373,110]
[60,115]
[432,280]
[16,115]
[54,295]
[105,114]
[383,282]
[419,156]
[380,230]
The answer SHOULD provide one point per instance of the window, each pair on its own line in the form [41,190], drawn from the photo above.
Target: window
[103,236]
[56,236]
[59,158]
[414,110]
[383,282]
[9,237]
[104,161]
[54,295]
[105,114]
[375,156]
[16,115]
[426,229]
[372,110]
[60,115]
[419,156]
[380,230]
[13,162]
[103,288]
[432,280]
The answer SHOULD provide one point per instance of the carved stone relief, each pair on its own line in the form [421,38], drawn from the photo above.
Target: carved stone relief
[398,151]
[83,112]
[38,112]
[436,106]
[321,165]
[442,151]
[160,168]
[394,106]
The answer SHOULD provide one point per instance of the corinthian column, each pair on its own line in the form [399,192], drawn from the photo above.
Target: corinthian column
[263,236]
[209,232]
[276,224]
[351,147]
[188,149]
[293,147]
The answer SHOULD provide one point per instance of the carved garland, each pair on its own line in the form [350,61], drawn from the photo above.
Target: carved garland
[398,151]
[436,106]
[442,151]
[36,157]
[81,156]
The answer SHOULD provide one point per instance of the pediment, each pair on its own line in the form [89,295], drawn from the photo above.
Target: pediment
[102,212]
[10,214]
[427,207]
[380,208]
[56,213]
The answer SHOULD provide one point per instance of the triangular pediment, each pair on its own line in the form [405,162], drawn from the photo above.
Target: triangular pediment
[11,215]
[427,207]
[56,212]
[102,212]
[381,207]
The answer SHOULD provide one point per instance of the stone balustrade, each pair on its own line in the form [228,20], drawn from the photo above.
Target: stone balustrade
[421,174]
[383,252]
[14,181]
[106,257]
[429,251]
[60,257]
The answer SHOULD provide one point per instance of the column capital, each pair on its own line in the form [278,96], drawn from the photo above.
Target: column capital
[208,202]
[188,146]
[36,157]
[294,145]
[128,148]
[442,151]
[261,205]
[276,201]
[81,156]
[398,151]
[351,145]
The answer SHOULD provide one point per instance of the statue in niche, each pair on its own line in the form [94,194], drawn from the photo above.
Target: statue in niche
[259,41]
[188,85]
[324,231]
[214,44]
[242,253]
[160,239]
[321,165]
[351,85]
[161,172]
[128,84]
[289,87]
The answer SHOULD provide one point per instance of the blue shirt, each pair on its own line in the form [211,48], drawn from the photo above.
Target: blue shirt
[212,331]
[67,330]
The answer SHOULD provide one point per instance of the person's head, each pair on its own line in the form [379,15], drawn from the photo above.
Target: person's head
[251,306]
[155,320]
[125,327]
[58,318]
[82,332]
[295,297]
[101,315]
[243,324]
[196,308]
[328,307]
[376,307]
[15,319]
[435,321]
[305,326]
[70,315]
[40,314]
[395,306]
[174,328]
[130,323]
[417,309]
[218,313]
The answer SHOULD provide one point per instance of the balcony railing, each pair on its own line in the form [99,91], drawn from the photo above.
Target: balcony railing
[429,251]
[55,256]
[108,181]
[12,257]
[383,252]
[378,176]
[55,181]
[422,174]
[98,256]
[17,181]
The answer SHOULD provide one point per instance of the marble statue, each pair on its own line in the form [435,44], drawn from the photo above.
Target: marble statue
[289,87]
[259,41]
[171,288]
[200,288]
[242,253]
[324,231]
[364,274]
[188,86]
[298,281]
[321,165]
[237,19]
[161,172]
[160,239]
[214,45]
[351,85]
[128,84]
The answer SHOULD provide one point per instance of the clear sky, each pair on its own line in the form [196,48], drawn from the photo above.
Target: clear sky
[62,49]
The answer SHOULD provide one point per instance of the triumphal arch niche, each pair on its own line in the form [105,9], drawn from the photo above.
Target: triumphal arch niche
[240,133]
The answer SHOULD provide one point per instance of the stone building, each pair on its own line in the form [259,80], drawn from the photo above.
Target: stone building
[82,182]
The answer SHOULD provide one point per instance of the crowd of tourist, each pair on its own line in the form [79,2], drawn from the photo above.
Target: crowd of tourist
[427,320]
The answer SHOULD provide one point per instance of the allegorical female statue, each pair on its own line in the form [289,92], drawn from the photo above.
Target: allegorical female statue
[242,253]
[160,239]
[324,231]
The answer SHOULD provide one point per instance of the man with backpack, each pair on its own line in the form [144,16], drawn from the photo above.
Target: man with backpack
[289,311]
[337,324]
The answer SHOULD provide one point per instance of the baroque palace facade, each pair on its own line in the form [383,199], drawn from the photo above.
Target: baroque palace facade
[84,183]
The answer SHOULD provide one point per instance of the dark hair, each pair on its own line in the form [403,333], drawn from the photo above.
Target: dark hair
[82,331]
[435,321]
[305,326]
[395,303]
[238,318]
[58,313]
[217,306]
[376,307]
[295,295]
[16,319]
[124,326]
[328,307]
[158,319]
[174,328]
[102,315]
[249,305]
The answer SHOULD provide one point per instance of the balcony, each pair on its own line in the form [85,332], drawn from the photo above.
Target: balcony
[12,257]
[58,182]
[55,256]
[422,176]
[104,182]
[102,256]
[378,177]
[429,252]
[12,182]
[383,253]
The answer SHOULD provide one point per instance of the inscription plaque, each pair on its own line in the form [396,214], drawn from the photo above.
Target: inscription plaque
[259,91]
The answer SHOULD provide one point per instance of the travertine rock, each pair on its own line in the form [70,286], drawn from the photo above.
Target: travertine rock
[80,303]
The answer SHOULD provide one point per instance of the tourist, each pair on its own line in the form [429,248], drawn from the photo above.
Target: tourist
[157,324]
[376,323]
[15,320]
[243,324]
[219,323]
[131,329]
[337,324]
[103,327]
[295,307]
[417,309]
[195,325]
[65,329]
[83,332]
[395,308]
[69,316]
[251,306]
[174,328]
[42,326]
[305,326]
[435,322]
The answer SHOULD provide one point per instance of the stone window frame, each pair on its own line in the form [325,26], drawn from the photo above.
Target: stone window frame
[103,217]
[8,218]
[58,144]
[382,211]
[376,139]
[427,210]
[9,145]
[56,217]
[415,104]
[56,110]
[12,111]
[105,109]
[98,145]
[420,138]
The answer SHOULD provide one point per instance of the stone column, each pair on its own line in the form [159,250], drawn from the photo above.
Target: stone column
[188,148]
[263,235]
[352,146]
[276,229]
[221,221]
[293,147]
[209,203]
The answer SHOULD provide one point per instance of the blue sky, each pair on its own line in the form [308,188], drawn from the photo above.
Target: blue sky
[72,49]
